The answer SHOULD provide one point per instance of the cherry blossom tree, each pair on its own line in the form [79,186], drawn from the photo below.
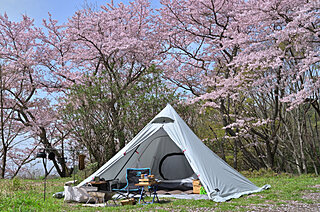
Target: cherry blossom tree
[9,128]
[278,60]
[116,45]
[114,49]
[245,59]
[15,58]
[198,54]
[27,97]
[283,42]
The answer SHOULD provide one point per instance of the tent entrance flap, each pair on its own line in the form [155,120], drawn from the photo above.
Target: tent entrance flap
[175,166]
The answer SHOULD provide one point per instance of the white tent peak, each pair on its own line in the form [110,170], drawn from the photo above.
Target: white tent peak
[167,112]
[174,153]
[167,115]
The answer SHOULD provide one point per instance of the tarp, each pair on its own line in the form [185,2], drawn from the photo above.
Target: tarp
[172,151]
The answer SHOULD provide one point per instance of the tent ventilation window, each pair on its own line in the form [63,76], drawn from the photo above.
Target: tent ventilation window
[162,120]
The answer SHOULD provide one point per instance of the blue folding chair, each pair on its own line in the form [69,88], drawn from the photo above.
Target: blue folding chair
[132,177]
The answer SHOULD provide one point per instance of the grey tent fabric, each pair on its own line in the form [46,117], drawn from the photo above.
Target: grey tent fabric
[167,137]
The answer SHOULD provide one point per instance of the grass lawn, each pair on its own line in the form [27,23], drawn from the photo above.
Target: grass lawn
[287,193]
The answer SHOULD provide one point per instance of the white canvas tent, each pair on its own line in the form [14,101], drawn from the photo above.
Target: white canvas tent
[173,152]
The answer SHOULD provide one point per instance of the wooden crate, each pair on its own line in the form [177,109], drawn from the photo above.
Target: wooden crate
[196,189]
[130,201]
[146,181]
[196,186]
[196,182]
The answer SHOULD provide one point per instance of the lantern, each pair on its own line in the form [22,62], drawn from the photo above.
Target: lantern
[41,154]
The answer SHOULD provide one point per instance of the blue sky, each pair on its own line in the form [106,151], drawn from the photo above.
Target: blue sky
[60,9]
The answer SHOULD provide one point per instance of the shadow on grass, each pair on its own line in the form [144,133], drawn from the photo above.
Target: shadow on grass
[164,201]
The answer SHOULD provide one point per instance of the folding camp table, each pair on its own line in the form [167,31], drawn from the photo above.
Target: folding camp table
[151,187]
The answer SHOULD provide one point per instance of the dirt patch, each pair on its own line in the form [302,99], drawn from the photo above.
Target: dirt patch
[316,186]
[312,196]
[289,206]
[299,206]
[315,196]
[254,195]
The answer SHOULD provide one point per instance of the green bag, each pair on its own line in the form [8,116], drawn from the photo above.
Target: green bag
[202,190]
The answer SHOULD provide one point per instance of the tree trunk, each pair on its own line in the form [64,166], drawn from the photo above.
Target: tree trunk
[293,147]
[301,142]
[63,171]
[235,154]
[4,146]
[4,161]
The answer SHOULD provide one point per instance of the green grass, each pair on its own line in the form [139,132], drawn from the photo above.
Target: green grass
[27,195]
